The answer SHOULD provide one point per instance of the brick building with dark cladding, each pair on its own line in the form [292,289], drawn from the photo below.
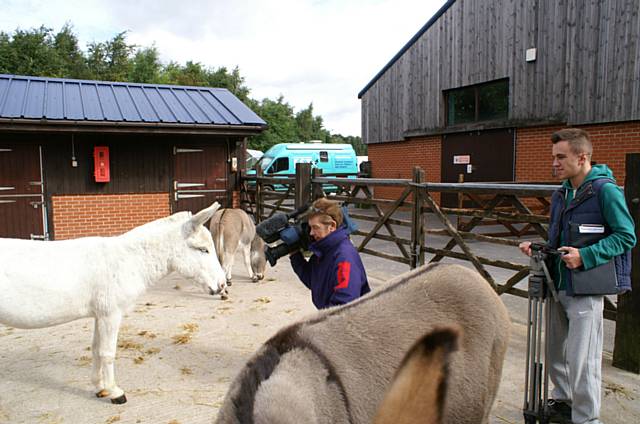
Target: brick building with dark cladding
[92,158]
[483,84]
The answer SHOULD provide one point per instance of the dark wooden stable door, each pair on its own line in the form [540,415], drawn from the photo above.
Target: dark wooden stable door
[481,156]
[22,213]
[200,177]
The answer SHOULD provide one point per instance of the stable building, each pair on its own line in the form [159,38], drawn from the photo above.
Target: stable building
[81,158]
[483,84]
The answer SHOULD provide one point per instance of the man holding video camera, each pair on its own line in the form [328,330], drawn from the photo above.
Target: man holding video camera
[590,223]
[334,273]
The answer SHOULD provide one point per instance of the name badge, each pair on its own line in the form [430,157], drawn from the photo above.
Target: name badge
[591,229]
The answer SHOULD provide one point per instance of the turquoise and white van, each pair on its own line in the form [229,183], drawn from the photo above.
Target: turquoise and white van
[282,158]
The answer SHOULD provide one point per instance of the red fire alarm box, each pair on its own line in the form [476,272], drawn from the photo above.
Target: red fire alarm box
[101,164]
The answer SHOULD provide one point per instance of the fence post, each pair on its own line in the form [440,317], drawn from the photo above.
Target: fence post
[417,233]
[316,188]
[460,201]
[259,199]
[303,184]
[626,350]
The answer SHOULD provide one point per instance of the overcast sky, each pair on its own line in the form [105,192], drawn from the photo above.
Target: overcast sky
[310,51]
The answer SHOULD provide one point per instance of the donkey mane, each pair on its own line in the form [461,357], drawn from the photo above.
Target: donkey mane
[260,367]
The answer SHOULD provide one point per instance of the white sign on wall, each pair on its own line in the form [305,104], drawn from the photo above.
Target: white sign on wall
[461,159]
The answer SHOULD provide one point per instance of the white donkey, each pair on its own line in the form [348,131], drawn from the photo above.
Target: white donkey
[233,229]
[48,283]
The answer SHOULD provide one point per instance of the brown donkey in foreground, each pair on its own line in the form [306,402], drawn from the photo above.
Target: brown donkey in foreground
[336,366]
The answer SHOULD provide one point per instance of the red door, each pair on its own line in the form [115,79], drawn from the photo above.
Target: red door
[22,209]
[200,177]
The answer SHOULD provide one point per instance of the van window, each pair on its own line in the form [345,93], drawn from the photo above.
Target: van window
[280,164]
[324,156]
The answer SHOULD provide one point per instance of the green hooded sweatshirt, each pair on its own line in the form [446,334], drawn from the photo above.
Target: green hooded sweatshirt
[617,216]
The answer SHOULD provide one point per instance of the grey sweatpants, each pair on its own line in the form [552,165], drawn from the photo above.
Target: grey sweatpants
[575,354]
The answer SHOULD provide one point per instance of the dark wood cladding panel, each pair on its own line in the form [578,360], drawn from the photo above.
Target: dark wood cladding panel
[586,70]
[19,168]
[138,164]
[20,217]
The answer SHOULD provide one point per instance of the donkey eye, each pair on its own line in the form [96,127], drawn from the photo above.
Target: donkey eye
[203,249]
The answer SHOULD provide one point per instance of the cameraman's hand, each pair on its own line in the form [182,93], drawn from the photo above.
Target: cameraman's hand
[572,258]
[525,247]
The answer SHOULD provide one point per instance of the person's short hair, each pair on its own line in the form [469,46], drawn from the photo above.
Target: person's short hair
[327,210]
[579,140]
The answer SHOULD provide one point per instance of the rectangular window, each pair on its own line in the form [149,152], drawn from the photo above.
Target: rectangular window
[324,157]
[477,103]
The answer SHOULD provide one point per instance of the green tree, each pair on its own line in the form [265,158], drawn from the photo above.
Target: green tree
[111,60]
[279,117]
[7,54]
[71,61]
[310,127]
[356,142]
[31,52]
[146,66]
[40,52]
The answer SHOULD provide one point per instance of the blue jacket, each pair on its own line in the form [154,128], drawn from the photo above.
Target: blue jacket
[334,273]
[586,205]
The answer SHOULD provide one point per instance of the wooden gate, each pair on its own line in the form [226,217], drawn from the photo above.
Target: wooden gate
[200,177]
[22,207]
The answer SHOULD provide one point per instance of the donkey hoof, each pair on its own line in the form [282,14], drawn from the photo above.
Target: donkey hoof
[255,278]
[229,283]
[119,400]
[224,296]
[102,393]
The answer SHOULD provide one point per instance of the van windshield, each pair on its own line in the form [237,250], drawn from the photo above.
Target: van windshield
[264,162]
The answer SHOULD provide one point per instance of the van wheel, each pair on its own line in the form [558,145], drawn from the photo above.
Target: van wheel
[268,188]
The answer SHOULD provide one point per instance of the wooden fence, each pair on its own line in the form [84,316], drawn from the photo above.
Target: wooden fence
[508,205]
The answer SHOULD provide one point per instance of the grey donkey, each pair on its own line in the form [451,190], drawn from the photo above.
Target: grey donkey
[233,230]
[335,367]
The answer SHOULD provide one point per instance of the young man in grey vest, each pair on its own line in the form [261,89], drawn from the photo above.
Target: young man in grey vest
[590,222]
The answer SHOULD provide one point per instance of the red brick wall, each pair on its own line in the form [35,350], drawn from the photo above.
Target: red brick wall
[611,142]
[397,159]
[105,214]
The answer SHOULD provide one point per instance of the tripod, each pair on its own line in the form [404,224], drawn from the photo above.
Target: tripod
[536,386]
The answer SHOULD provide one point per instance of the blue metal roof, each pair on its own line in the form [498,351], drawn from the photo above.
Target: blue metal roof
[64,100]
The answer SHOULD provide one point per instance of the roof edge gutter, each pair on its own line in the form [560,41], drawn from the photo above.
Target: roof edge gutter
[22,124]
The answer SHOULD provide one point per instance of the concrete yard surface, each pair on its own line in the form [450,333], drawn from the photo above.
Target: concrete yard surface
[179,349]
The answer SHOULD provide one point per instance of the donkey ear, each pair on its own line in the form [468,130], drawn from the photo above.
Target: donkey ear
[204,215]
[417,392]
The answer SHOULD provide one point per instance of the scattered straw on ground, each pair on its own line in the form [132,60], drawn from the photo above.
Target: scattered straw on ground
[113,419]
[191,327]
[130,345]
[84,360]
[186,371]
[184,338]
[617,389]
[147,334]
[263,299]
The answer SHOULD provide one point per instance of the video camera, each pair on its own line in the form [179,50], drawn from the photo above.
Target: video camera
[293,232]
